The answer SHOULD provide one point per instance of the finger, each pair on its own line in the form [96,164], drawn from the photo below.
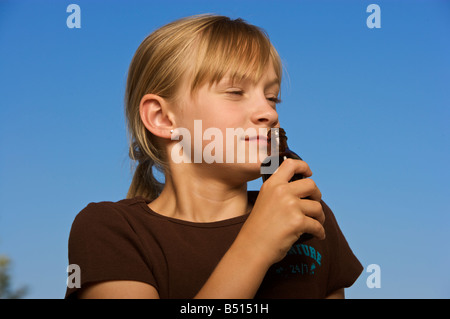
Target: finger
[313,227]
[306,187]
[313,209]
[289,168]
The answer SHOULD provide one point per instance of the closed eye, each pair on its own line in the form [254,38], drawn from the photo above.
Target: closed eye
[274,100]
[235,92]
[238,93]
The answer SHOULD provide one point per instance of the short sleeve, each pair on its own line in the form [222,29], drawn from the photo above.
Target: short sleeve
[345,268]
[105,247]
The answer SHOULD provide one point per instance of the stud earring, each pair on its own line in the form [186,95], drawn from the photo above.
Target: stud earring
[171,131]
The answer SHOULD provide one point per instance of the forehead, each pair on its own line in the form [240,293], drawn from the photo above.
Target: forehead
[237,56]
[269,79]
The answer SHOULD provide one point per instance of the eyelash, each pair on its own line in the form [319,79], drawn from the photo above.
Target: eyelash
[240,93]
[236,92]
[274,100]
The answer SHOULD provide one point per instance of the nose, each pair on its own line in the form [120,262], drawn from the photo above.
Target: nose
[265,114]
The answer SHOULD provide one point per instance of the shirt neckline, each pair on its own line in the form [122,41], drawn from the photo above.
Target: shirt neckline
[220,223]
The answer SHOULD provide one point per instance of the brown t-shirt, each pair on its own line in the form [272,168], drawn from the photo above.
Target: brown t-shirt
[126,240]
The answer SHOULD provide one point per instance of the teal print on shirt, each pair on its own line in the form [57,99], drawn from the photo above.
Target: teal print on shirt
[302,249]
[301,268]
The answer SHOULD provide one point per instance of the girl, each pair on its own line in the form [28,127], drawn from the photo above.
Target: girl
[201,234]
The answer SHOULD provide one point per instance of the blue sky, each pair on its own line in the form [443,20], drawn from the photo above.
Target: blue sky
[368,109]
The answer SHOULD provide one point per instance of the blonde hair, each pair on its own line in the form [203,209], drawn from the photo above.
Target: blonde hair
[202,48]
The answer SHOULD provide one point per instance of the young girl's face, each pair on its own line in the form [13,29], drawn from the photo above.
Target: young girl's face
[243,108]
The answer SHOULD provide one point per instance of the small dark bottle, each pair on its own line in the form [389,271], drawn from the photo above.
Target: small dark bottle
[281,151]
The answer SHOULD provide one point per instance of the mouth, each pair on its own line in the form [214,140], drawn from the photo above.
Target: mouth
[260,139]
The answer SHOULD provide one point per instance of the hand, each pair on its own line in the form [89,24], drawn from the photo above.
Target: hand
[282,213]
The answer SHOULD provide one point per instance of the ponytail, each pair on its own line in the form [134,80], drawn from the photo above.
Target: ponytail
[144,183]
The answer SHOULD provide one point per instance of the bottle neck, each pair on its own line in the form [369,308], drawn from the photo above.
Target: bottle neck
[282,144]
[278,136]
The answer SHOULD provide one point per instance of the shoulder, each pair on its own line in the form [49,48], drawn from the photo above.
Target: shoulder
[109,207]
[99,221]
[106,211]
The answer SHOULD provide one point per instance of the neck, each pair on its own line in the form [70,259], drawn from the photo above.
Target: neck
[187,196]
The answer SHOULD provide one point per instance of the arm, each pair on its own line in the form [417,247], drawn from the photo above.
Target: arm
[337,294]
[237,276]
[277,220]
[119,289]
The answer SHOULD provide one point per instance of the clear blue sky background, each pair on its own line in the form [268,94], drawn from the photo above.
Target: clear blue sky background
[368,109]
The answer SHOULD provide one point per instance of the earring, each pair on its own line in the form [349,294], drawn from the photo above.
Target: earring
[171,131]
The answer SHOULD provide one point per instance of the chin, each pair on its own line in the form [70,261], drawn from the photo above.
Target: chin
[247,171]
[236,173]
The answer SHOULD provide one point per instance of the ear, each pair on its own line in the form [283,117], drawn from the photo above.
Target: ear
[156,116]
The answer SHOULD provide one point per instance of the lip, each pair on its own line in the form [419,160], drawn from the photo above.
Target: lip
[257,138]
